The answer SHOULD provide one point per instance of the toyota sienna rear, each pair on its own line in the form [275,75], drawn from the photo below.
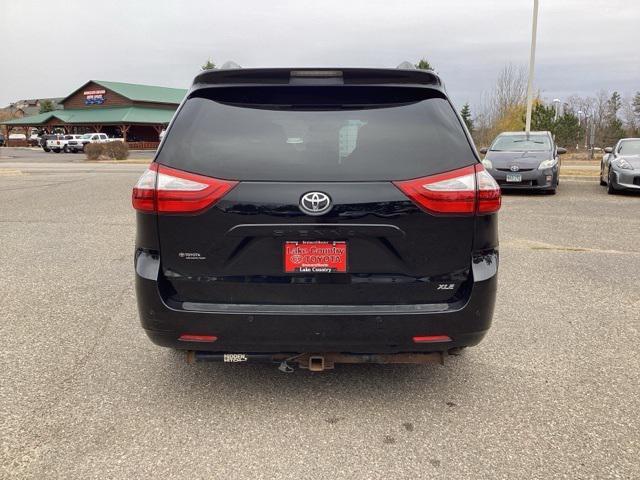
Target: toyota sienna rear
[316,216]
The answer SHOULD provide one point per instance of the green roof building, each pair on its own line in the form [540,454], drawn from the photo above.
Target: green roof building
[138,113]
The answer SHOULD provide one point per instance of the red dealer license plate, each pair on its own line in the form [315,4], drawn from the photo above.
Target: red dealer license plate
[315,257]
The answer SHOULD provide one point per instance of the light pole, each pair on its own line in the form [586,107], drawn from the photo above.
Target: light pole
[532,61]
[580,115]
[586,131]
[557,102]
[592,139]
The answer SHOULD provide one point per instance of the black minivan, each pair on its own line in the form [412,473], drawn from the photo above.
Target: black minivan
[316,216]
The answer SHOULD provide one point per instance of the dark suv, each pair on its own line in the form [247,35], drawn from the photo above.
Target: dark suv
[316,216]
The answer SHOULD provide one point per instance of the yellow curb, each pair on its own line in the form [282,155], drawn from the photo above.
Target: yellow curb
[10,171]
[133,161]
[579,173]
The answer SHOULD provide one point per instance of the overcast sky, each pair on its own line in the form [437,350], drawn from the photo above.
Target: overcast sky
[50,48]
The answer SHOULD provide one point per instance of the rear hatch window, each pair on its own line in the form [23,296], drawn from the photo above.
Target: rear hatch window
[295,133]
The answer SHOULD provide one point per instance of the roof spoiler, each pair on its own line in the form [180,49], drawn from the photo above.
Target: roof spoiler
[232,74]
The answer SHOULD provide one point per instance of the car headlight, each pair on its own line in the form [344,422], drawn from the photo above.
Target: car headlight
[622,163]
[547,164]
[487,164]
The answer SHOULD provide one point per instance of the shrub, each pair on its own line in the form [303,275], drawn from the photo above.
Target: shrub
[107,151]
[116,150]
[93,151]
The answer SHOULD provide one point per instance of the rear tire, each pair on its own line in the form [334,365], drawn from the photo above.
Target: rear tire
[602,182]
[65,149]
[46,149]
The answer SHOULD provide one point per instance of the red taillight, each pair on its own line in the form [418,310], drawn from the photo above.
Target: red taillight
[431,339]
[489,195]
[144,191]
[167,190]
[464,191]
[188,337]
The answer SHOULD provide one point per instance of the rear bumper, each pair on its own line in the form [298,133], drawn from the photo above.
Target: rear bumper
[297,329]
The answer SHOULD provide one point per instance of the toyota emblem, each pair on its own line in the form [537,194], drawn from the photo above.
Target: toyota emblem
[315,203]
[515,168]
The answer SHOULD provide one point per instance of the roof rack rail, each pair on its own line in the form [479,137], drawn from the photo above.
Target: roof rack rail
[406,65]
[230,65]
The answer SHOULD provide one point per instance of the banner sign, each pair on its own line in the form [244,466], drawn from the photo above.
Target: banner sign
[94,97]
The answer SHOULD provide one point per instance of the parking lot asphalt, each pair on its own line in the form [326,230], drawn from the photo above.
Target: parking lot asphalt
[552,392]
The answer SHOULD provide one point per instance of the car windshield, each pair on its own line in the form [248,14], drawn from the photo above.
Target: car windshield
[630,147]
[87,135]
[521,143]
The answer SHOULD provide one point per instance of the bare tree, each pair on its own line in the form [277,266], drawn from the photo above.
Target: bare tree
[601,115]
[502,108]
[630,118]
[581,104]
[510,90]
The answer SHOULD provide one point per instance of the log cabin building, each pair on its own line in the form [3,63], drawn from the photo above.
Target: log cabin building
[136,113]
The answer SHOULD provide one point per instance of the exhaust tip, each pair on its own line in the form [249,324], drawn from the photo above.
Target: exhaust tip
[316,364]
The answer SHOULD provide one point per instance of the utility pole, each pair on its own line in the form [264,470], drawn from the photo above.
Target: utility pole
[592,139]
[586,132]
[532,61]
[557,102]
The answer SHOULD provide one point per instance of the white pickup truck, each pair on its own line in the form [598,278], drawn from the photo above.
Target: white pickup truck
[78,144]
[60,143]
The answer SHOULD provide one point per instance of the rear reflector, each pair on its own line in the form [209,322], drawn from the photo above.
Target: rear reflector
[465,191]
[431,339]
[187,337]
[167,190]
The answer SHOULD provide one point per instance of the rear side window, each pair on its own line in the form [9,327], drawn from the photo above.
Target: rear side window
[321,134]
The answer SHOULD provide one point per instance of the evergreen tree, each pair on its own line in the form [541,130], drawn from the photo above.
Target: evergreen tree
[424,64]
[465,113]
[613,132]
[567,130]
[209,65]
[635,103]
[47,106]
[614,104]
[542,117]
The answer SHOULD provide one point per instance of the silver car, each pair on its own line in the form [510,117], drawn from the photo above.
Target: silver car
[620,166]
